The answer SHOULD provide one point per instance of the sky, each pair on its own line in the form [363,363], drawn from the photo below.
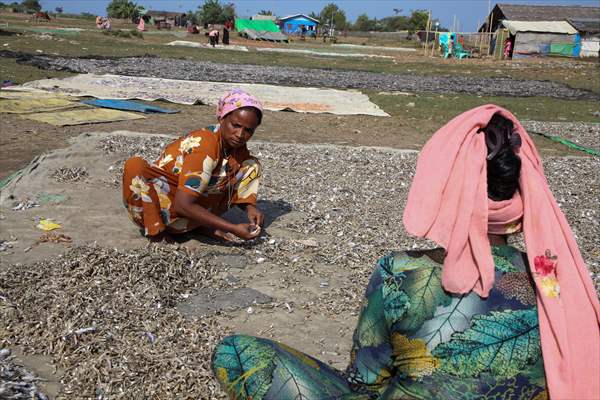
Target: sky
[467,12]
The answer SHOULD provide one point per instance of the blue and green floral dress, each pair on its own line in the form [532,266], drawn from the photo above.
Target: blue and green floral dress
[413,341]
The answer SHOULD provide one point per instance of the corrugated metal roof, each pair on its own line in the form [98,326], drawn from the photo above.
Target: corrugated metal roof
[588,25]
[260,17]
[299,15]
[539,26]
[521,12]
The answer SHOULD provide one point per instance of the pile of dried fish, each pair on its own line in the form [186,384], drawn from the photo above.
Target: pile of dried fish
[355,196]
[148,148]
[295,76]
[69,175]
[584,134]
[107,318]
[15,382]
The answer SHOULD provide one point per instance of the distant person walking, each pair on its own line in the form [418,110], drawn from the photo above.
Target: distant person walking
[507,48]
[213,37]
[228,26]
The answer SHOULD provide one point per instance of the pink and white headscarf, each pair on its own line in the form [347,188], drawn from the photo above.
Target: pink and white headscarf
[448,204]
[235,99]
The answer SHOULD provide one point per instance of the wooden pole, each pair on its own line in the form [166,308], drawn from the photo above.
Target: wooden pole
[427,33]
[490,35]
[481,38]
[435,41]
[477,37]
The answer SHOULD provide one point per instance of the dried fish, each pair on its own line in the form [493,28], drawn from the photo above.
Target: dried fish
[103,297]
[70,174]
[312,193]
[15,381]
[6,245]
[52,237]
[285,75]
[584,134]
[25,204]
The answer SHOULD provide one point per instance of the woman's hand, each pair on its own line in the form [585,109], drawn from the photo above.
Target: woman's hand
[255,216]
[246,231]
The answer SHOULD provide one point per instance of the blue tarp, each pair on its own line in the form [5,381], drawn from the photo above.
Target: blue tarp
[127,105]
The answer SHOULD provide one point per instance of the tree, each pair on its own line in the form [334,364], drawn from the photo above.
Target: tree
[395,23]
[332,13]
[265,12]
[228,13]
[418,20]
[212,12]
[192,17]
[123,9]
[314,15]
[364,24]
[32,5]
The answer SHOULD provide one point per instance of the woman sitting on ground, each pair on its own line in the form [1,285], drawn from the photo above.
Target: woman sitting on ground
[478,320]
[200,176]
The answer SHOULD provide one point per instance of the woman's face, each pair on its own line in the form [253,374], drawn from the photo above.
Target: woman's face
[237,127]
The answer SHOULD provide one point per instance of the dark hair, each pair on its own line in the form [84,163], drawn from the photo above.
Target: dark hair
[255,110]
[504,169]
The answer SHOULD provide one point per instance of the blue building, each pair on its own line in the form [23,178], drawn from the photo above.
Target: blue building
[292,25]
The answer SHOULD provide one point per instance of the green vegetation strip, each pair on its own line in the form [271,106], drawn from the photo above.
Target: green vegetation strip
[570,144]
[4,182]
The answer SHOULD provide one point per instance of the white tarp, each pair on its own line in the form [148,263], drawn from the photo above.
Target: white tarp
[384,48]
[275,98]
[540,26]
[590,47]
[320,53]
[185,43]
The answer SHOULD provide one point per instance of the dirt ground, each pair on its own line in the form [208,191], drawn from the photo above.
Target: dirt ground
[324,230]
[22,139]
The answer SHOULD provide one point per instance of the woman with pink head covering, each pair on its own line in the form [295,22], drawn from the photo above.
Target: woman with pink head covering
[476,319]
[200,176]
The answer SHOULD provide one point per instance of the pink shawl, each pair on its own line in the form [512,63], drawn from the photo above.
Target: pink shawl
[448,204]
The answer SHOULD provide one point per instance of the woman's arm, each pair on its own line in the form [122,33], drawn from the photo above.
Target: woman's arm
[185,205]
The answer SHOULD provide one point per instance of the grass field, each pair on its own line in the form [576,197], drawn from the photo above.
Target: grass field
[23,35]
[414,117]
[441,108]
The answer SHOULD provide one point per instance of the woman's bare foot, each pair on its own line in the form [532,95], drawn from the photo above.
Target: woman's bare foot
[216,234]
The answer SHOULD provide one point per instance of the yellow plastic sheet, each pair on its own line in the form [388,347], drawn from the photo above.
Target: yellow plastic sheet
[32,105]
[35,94]
[48,225]
[82,116]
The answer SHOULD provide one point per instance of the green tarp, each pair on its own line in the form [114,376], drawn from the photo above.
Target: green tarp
[563,49]
[255,25]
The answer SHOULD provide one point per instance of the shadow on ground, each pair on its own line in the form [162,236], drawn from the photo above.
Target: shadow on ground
[271,209]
